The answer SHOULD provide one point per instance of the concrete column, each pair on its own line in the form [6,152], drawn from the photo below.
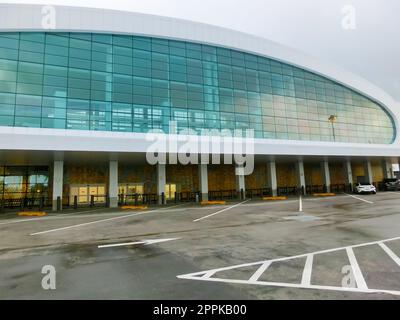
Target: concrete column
[387,169]
[240,182]
[161,181]
[326,175]
[348,172]
[58,176]
[113,184]
[368,171]
[203,181]
[301,179]
[272,182]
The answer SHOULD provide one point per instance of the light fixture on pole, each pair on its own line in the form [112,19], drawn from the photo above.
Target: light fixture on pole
[332,119]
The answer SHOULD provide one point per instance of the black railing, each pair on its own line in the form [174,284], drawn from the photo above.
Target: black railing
[310,189]
[258,193]
[188,196]
[223,194]
[25,203]
[336,188]
[288,191]
[138,199]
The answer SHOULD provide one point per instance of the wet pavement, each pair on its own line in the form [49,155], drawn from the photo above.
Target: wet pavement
[251,232]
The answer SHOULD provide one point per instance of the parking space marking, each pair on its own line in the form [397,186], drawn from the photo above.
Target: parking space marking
[306,278]
[390,253]
[362,287]
[97,221]
[361,199]
[144,242]
[260,271]
[223,210]
[301,204]
[360,281]
[23,220]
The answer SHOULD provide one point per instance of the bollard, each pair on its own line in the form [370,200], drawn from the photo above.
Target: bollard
[162,198]
[41,203]
[58,203]
[75,202]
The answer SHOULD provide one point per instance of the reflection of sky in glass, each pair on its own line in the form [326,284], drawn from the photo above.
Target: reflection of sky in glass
[134,84]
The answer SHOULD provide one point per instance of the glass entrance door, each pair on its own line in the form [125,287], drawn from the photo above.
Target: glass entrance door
[170,190]
[84,193]
[130,188]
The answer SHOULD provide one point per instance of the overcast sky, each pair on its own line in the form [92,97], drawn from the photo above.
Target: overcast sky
[371,49]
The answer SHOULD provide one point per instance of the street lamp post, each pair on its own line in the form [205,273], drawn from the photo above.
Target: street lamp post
[332,119]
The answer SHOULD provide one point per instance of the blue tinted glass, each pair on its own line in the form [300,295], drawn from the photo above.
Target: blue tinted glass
[133,84]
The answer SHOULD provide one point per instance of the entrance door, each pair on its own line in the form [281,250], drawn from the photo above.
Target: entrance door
[130,188]
[84,193]
[170,190]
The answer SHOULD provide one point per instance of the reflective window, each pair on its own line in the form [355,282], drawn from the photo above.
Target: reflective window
[134,84]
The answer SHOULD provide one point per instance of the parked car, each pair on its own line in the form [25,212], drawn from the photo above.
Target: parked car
[391,184]
[365,188]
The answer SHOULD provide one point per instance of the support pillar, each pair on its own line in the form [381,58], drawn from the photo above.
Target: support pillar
[368,171]
[326,175]
[272,182]
[349,174]
[113,184]
[161,181]
[240,182]
[301,179]
[58,176]
[203,181]
[387,169]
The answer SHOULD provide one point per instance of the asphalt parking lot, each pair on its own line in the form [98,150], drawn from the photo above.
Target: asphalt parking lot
[343,247]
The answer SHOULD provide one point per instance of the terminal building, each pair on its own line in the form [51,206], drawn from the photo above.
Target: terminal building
[80,88]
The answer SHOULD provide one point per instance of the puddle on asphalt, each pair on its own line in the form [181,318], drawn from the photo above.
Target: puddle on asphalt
[302,218]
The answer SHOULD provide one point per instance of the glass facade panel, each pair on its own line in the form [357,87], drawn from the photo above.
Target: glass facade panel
[20,182]
[86,81]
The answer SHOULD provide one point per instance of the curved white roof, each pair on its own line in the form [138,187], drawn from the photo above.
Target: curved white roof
[23,17]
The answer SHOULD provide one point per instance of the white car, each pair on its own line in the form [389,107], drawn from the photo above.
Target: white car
[365,188]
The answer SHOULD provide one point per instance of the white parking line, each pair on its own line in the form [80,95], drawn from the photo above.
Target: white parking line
[362,287]
[361,284]
[306,278]
[361,199]
[23,220]
[98,221]
[390,253]
[301,204]
[65,215]
[226,209]
[260,271]
[145,242]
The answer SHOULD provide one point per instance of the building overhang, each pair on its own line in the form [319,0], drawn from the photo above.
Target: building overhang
[117,142]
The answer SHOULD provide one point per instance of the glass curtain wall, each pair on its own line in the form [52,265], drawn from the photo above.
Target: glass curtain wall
[102,82]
